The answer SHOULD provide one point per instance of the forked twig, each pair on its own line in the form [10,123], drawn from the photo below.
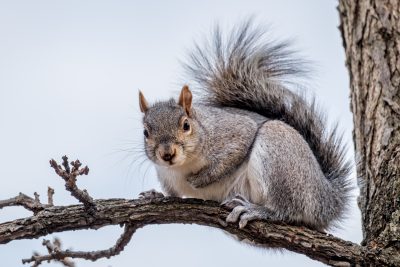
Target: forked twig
[62,256]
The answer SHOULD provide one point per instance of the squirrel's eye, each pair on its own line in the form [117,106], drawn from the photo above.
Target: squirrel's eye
[186,126]
[146,133]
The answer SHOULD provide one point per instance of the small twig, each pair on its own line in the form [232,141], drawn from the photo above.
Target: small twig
[25,201]
[70,176]
[53,248]
[65,164]
[37,197]
[32,204]
[50,194]
[56,254]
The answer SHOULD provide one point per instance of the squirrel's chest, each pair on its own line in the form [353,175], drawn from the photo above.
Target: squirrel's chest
[219,191]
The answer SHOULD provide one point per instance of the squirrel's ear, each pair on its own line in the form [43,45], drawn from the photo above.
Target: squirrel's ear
[185,100]
[144,106]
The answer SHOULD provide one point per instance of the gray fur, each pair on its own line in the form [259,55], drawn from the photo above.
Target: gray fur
[252,137]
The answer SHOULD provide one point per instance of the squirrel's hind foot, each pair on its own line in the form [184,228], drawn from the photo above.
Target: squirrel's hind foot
[244,211]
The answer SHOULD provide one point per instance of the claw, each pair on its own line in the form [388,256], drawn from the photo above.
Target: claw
[238,200]
[245,218]
[150,194]
[235,214]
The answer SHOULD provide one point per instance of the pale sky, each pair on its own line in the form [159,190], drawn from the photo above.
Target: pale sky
[69,76]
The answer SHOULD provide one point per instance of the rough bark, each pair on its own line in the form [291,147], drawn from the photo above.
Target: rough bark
[371,37]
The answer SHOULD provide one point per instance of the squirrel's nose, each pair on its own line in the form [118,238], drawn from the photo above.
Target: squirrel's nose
[168,156]
[167,152]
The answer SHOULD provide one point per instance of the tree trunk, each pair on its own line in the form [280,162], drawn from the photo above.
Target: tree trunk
[371,38]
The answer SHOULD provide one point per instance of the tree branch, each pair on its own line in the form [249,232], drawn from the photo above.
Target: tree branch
[316,245]
[134,214]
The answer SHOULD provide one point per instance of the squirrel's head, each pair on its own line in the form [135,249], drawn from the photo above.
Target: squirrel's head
[170,129]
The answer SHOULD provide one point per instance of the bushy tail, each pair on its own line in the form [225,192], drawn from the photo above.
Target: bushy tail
[247,72]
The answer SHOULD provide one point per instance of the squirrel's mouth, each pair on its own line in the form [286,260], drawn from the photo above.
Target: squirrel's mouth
[161,161]
[167,162]
[170,158]
[175,162]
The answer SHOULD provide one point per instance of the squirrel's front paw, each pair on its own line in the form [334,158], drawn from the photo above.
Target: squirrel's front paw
[150,194]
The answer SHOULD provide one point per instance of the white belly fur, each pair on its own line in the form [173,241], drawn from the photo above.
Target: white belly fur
[175,178]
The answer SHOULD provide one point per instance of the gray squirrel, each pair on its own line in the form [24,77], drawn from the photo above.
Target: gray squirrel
[250,142]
